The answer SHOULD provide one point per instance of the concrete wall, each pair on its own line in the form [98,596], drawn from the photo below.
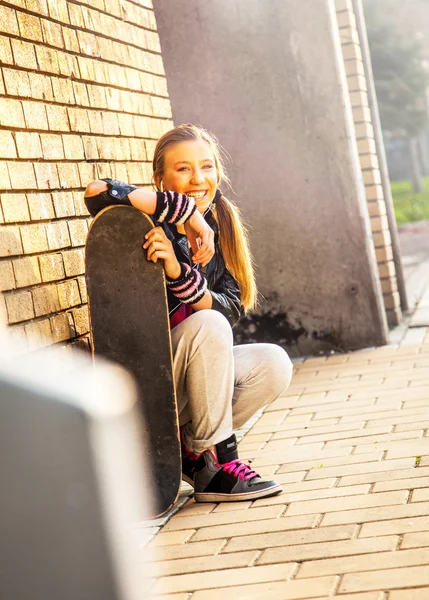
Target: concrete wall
[82,95]
[268,79]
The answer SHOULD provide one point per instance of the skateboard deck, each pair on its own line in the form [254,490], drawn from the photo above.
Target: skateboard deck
[129,323]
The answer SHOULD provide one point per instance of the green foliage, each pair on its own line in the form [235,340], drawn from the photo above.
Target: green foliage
[410,206]
[400,79]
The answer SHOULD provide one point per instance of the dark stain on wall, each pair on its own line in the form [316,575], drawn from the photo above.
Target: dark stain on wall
[277,327]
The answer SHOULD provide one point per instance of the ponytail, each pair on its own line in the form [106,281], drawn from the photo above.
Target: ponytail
[234,243]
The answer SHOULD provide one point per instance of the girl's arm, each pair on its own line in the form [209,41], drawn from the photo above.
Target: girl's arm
[170,207]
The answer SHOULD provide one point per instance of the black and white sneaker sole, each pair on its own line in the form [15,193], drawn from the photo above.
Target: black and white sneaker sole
[216,497]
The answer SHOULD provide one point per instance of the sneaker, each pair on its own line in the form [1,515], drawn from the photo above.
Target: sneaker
[189,460]
[228,479]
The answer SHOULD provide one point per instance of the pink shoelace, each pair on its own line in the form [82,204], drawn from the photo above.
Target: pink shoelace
[239,469]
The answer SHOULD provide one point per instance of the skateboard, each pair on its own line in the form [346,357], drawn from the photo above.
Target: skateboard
[129,322]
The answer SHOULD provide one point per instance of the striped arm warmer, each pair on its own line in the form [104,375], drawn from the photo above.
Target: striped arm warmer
[173,208]
[191,285]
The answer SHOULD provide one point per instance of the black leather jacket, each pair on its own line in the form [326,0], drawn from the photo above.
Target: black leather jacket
[220,283]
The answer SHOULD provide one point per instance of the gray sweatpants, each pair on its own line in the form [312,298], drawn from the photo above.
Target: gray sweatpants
[220,386]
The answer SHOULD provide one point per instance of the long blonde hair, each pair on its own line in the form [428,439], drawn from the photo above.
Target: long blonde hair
[233,237]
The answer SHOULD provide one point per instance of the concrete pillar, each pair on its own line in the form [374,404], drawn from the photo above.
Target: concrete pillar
[268,79]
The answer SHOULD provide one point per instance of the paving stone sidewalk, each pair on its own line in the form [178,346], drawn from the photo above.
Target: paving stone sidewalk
[350,444]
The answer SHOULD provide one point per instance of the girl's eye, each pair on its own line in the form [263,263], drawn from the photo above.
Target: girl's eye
[208,167]
[182,168]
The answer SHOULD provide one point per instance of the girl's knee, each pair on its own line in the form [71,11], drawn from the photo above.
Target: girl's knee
[280,369]
[212,324]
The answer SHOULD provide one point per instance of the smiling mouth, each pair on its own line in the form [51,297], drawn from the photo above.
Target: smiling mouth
[197,195]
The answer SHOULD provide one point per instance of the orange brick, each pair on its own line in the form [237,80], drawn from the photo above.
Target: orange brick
[52,269]
[19,307]
[57,118]
[38,6]
[415,594]
[206,563]
[74,262]
[79,120]
[21,175]
[27,271]
[16,82]
[82,289]
[11,114]
[45,299]
[217,579]
[88,172]
[69,175]
[78,231]
[35,115]
[76,15]
[110,124]
[401,484]
[60,328]
[96,121]
[40,206]
[305,589]
[39,334]
[387,579]
[222,518]
[375,514]
[47,59]
[69,295]
[58,235]
[6,56]
[8,21]
[10,241]
[421,495]
[80,93]
[15,208]
[52,146]
[52,33]
[58,10]
[367,562]
[304,552]
[7,278]
[73,147]
[90,147]
[63,204]
[344,504]
[70,40]
[47,175]
[30,27]
[81,320]
[415,540]
[126,125]
[194,550]
[34,238]
[28,144]
[63,90]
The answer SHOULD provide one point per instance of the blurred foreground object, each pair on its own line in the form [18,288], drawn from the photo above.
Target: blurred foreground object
[71,475]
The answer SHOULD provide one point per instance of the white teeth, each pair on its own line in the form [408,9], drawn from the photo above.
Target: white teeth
[196,194]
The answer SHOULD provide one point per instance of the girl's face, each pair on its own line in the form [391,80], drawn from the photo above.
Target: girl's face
[190,168]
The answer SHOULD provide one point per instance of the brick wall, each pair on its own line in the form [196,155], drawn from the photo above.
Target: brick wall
[75,105]
[356,79]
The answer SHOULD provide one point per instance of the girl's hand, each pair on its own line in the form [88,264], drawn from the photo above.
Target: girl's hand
[201,238]
[158,246]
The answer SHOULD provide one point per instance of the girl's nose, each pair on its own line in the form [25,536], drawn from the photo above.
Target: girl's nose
[197,177]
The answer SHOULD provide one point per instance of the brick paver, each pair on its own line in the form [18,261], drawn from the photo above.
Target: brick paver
[350,445]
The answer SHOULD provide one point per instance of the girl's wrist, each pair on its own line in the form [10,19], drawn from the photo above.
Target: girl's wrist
[174,272]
